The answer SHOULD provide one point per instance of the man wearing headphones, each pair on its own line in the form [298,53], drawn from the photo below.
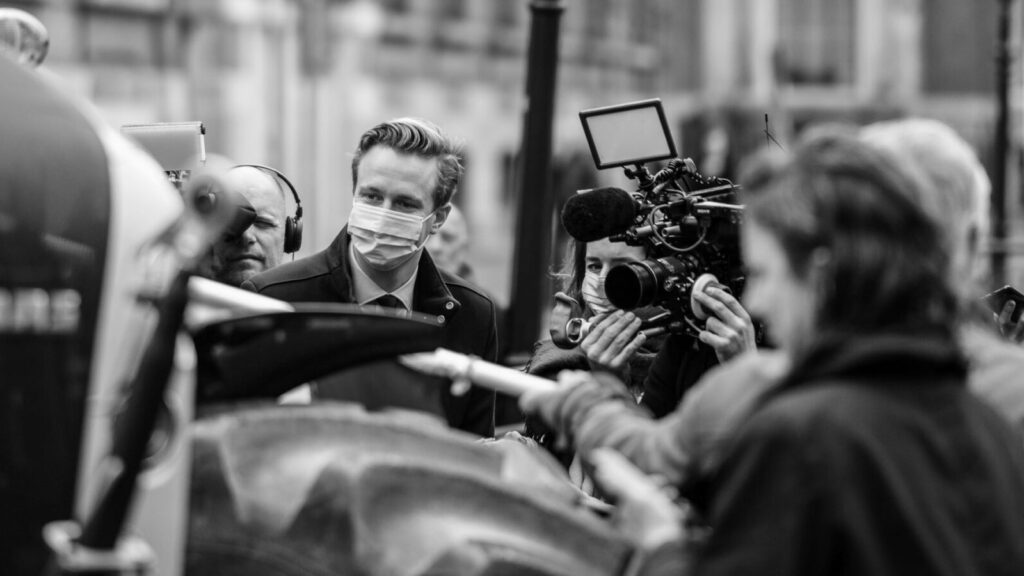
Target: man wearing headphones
[261,246]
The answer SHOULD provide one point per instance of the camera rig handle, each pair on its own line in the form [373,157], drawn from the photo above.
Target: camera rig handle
[684,173]
[674,169]
[639,172]
[647,183]
[577,328]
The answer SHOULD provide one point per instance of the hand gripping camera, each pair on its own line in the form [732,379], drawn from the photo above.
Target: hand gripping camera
[688,222]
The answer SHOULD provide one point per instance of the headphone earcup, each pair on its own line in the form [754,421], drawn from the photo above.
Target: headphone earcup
[297,227]
[292,234]
[292,224]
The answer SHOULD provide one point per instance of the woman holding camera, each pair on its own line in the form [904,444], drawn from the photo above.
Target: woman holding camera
[653,371]
[869,455]
[613,341]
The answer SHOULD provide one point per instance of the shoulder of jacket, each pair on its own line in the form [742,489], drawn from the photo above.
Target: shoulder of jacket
[300,270]
[462,289]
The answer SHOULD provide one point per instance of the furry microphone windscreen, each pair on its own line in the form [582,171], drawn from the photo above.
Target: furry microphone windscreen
[598,213]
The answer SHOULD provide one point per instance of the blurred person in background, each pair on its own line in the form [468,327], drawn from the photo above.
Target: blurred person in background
[404,174]
[449,249]
[261,246]
[869,455]
[957,196]
[450,246]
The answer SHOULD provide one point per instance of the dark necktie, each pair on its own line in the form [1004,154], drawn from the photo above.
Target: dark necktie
[388,301]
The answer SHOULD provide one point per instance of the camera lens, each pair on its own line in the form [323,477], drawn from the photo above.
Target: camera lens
[631,285]
[637,284]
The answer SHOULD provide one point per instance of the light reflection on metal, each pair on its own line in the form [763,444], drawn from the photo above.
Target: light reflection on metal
[23,37]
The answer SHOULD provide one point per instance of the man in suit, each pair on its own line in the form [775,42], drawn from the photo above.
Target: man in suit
[404,174]
[261,246]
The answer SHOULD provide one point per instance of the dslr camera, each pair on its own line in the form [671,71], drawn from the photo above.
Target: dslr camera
[687,222]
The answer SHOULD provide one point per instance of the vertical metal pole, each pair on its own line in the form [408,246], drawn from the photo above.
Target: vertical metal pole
[534,217]
[1002,130]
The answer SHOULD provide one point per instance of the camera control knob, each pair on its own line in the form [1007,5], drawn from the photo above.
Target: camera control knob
[576,329]
[702,283]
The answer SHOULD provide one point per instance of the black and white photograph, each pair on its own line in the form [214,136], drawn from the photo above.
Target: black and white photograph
[511,287]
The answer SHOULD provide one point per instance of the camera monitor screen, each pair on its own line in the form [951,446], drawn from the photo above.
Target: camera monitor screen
[175,145]
[625,134]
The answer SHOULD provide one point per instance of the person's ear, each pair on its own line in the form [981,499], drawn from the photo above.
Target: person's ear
[821,258]
[821,276]
[442,216]
[973,241]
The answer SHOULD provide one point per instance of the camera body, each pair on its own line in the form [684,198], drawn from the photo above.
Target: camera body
[689,226]
[687,222]
[179,147]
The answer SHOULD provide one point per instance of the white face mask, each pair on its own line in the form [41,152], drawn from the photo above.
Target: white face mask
[386,239]
[593,293]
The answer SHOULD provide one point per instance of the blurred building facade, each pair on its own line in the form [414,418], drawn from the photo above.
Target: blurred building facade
[292,83]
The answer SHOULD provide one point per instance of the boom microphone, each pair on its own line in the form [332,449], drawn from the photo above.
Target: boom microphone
[599,213]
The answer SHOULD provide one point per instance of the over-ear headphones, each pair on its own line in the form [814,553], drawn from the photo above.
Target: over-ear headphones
[292,224]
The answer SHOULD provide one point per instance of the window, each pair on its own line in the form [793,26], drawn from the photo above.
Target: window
[960,42]
[678,33]
[151,6]
[397,6]
[816,41]
[507,12]
[450,10]
[122,38]
[597,16]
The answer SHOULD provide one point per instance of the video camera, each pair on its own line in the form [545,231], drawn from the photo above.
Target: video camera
[687,222]
[180,149]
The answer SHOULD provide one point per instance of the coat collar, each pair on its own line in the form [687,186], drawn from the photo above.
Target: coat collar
[906,357]
[430,296]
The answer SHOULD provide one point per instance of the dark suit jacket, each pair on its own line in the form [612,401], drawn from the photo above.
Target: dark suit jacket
[468,315]
[681,362]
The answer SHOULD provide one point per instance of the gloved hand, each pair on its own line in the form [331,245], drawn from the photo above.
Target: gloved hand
[645,511]
[566,406]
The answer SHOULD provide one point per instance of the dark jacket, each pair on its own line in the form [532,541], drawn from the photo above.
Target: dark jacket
[871,458]
[468,315]
[680,363]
